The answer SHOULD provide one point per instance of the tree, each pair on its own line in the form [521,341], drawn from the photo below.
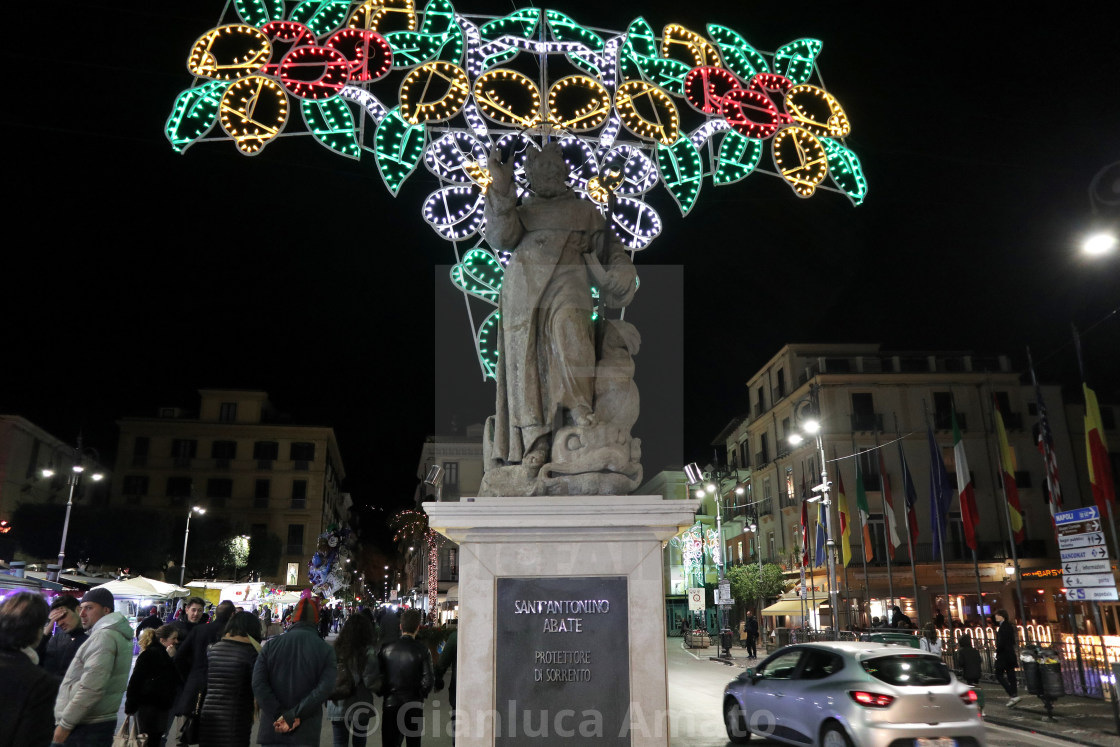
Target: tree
[747,585]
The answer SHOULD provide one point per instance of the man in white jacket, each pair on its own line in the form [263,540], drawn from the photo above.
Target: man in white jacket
[85,712]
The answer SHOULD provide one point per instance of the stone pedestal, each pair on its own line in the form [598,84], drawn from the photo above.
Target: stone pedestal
[561,617]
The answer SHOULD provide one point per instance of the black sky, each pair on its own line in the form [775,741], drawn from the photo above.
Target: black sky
[132,276]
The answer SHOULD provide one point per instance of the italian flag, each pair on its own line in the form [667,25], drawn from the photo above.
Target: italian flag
[969,517]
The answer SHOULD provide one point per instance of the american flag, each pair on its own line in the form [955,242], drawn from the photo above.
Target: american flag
[1046,447]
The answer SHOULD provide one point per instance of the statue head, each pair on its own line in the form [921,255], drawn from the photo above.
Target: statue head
[547,171]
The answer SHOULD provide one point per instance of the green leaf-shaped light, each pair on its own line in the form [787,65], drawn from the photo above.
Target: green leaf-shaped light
[439,38]
[398,146]
[480,274]
[321,16]
[641,39]
[487,340]
[738,56]
[332,124]
[796,59]
[521,23]
[194,113]
[665,73]
[738,156]
[845,170]
[566,30]
[259,12]
[682,171]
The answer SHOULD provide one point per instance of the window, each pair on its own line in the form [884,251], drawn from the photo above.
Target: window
[261,493]
[785,434]
[878,529]
[790,492]
[917,670]
[135,485]
[227,412]
[219,487]
[451,474]
[299,493]
[863,412]
[781,666]
[819,664]
[140,451]
[301,451]
[943,411]
[764,446]
[781,390]
[295,539]
[223,450]
[179,487]
[767,505]
[266,450]
[745,453]
[869,467]
[183,450]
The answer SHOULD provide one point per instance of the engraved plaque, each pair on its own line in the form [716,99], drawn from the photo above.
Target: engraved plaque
[562,669]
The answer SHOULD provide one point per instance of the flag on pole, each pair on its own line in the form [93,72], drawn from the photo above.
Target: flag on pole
[1100,471]
[893,540]
[864,515]
[940,492]
[1007,475]
[1046,446]
[822,528]
[804,533]
[969,515]
[845,522]
[911,496]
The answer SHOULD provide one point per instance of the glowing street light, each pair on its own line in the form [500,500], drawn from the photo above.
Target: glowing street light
[76,470]
[186,536]
[1100,243]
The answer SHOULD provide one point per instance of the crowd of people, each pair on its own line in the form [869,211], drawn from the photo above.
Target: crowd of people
[206,678]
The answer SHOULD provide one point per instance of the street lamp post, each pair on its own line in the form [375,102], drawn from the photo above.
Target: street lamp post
[76,470]
[810,410]
[187,536]
[714,479]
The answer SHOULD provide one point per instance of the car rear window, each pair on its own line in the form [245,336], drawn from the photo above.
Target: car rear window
[908,669]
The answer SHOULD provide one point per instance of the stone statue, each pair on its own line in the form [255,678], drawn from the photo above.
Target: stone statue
[565,398]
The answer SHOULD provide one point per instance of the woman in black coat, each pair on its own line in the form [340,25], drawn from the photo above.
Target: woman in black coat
[154,681]
[228,708]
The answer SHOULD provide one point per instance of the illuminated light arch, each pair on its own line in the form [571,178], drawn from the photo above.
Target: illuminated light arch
[241,51]
[253,111]
[800,159]
[488,93]
[806,103]
[705,87]
[591,109]
[702,51]
[314,72]
[751,113]
[663,127]
[618,117]
[369,55]
[369,14]
[449,84]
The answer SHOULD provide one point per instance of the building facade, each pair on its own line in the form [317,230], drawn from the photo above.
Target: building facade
[874,407]
[242,461]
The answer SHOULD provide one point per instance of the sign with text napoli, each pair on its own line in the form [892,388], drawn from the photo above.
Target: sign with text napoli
[1087,571]
[386,83]
[562,669]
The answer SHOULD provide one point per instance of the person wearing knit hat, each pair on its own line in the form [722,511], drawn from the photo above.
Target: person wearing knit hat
[85,711]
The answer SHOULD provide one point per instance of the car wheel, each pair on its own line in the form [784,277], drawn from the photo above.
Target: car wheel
[735,721]
[833,735]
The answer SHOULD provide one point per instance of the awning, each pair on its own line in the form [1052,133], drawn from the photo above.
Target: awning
[792,606]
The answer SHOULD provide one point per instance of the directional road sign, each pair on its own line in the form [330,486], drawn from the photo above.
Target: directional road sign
[1087,566]
[1080,540]
[1076,527]
[1093,594]
[1098,552]
[1077,514]
[1089,579]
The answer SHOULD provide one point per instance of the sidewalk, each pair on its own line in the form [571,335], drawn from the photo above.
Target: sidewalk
[1086,721]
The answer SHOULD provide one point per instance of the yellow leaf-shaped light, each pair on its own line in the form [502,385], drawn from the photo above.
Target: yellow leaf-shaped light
[800,159]
[371,13]
[253,111]
[229,52]
[817,111]
[700,50]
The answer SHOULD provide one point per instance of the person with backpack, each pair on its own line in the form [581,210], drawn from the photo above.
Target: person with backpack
[356,654]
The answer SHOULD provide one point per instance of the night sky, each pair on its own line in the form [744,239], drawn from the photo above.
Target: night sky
[133,276]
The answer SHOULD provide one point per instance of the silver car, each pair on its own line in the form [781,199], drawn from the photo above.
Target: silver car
[840,694]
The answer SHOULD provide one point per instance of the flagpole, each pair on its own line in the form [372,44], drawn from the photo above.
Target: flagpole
[1011,537]
[906,482]
[863,537]
[941,523]
[886,522]
[1107,503]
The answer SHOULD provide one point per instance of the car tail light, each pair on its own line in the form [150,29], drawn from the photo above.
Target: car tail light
[871,700]
[970,697]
